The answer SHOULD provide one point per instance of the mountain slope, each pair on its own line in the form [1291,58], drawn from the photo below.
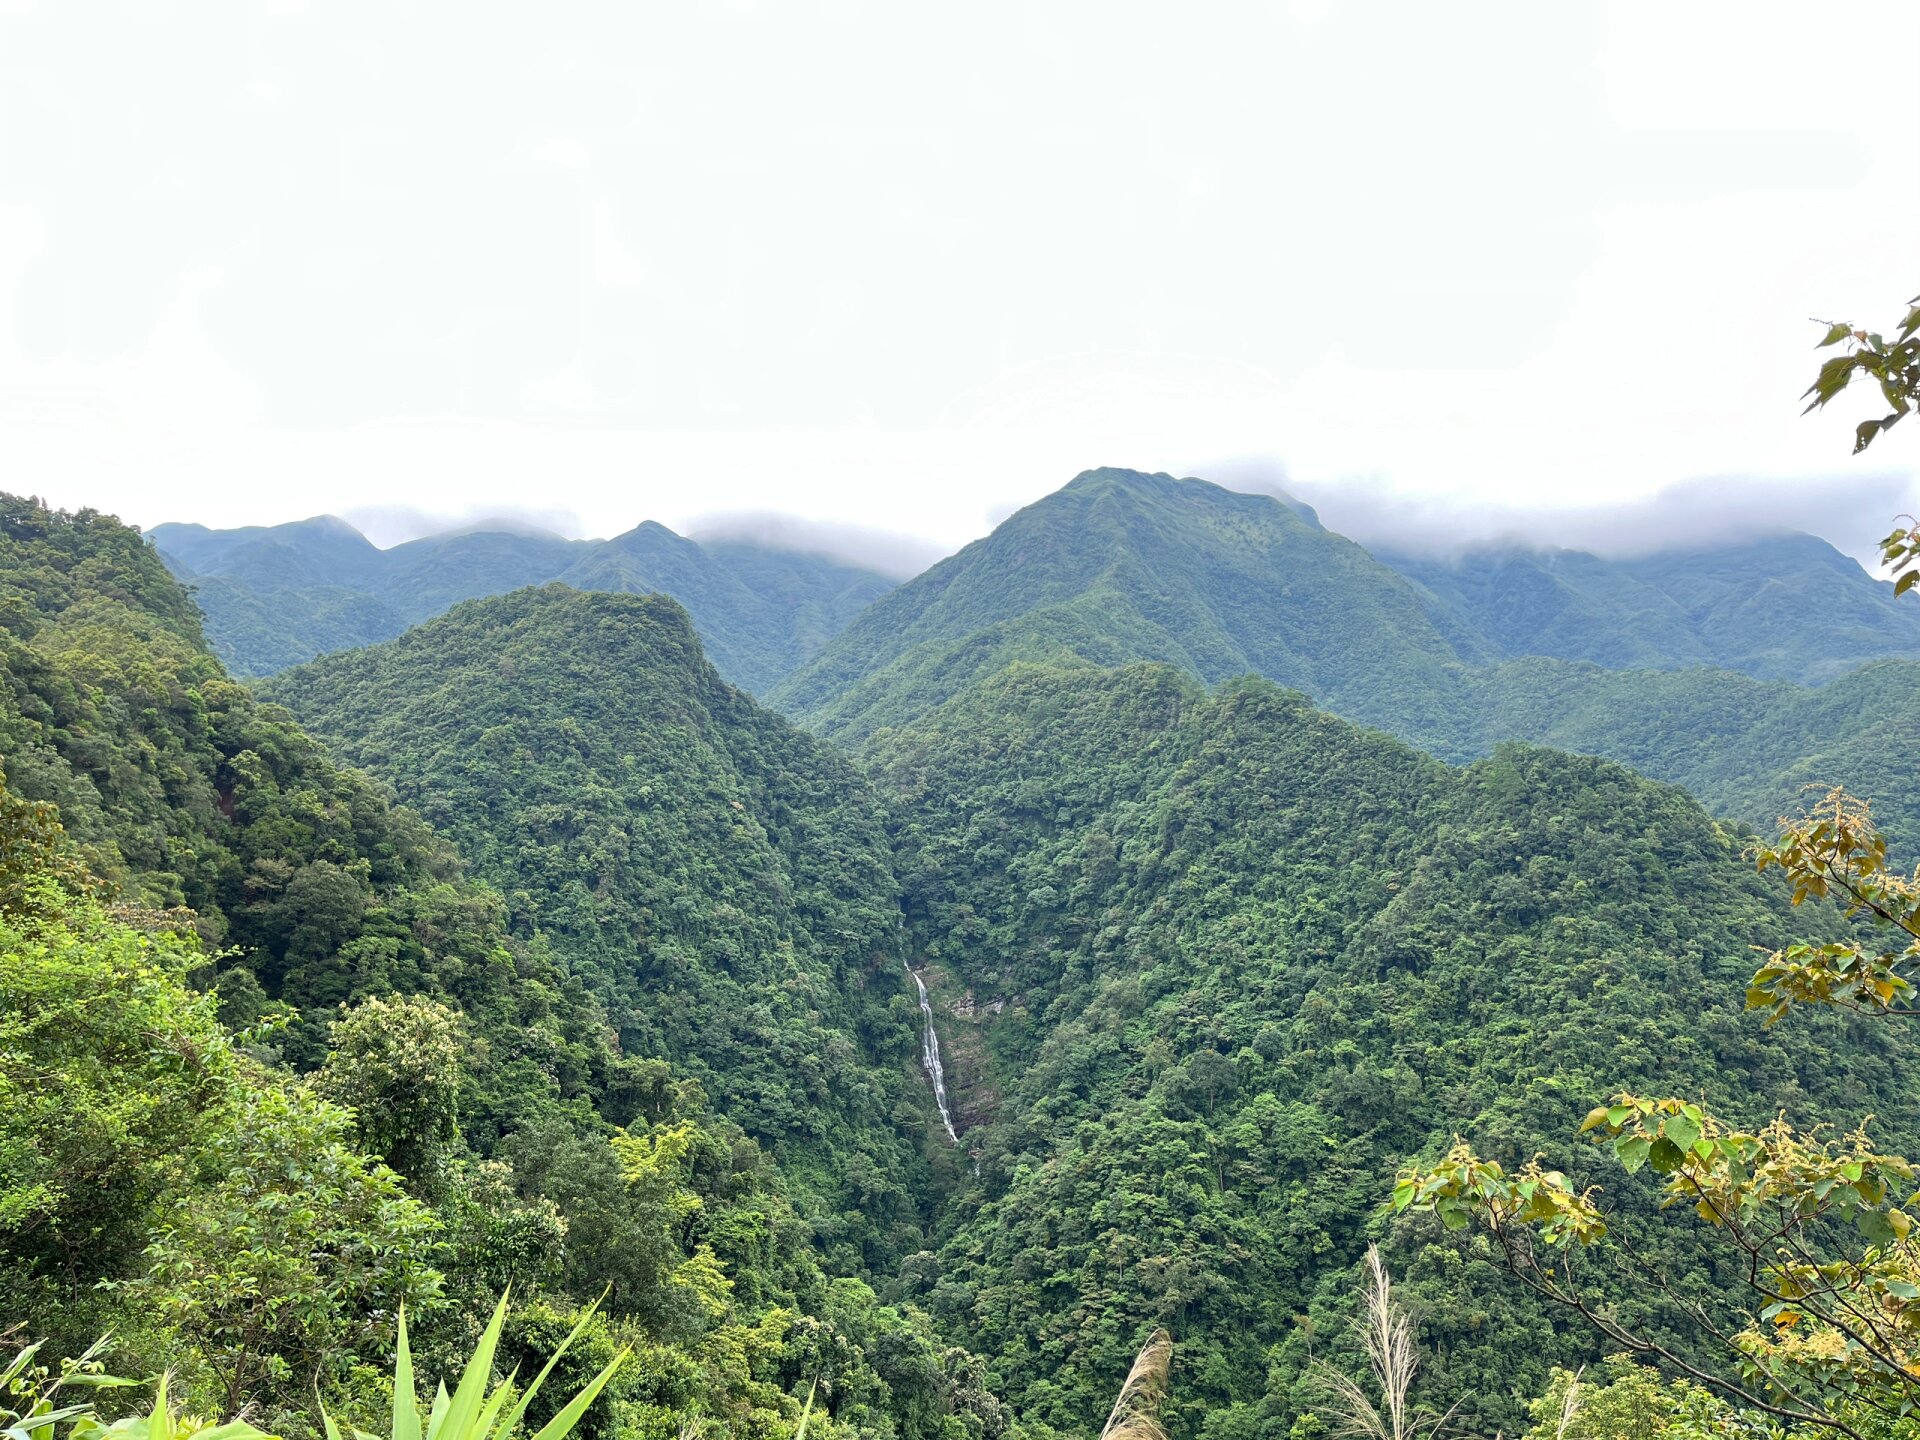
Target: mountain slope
[1226,960]
[760,612]
[182,789]
[1739,606]
[570,1166]
[279,595]
[1120,566]
[718,877]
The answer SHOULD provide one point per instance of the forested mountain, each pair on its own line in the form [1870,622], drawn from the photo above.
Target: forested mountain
[1736,606]
[1206,967]
[720,876]
[1748,749]
[1212,964]
[211,1189]
[1118,567]
[275,596]
[548,958]
[759,611]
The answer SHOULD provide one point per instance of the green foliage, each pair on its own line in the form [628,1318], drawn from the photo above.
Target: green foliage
[1836,852]
[284,1253]
[177,1183]
[1900,553]
[145,1153]
[32,1403]
[479,1408]
[112,1075]
[1633,1402]
[1893,365]
[394,1062]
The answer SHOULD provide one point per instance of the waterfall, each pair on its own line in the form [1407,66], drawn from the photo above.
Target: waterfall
[930,1057]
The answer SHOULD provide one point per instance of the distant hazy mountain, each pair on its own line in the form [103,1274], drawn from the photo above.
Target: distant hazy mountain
[276,596]
[1742,607]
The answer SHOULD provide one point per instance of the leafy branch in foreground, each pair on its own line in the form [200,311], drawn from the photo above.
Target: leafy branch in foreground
[1894,364]
[1835,852]
[1821,1228]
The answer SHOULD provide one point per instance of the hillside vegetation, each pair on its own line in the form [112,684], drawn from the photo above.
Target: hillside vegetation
[720,878]
[271,1063]
[1234,958]
[523,950]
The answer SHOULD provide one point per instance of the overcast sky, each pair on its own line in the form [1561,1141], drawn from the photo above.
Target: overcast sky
[1440,268]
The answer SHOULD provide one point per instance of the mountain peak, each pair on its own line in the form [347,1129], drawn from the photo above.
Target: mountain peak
[1159,484]
[1123,565]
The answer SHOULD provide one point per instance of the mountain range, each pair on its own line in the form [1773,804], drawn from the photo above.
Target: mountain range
[1204,963]
[1117,564]
[1455,658]
[274,596]
[1234,867]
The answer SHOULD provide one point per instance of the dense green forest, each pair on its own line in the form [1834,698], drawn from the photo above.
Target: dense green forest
[1235,958]
[525,952]
[274,596]
[719,877]
[241,979]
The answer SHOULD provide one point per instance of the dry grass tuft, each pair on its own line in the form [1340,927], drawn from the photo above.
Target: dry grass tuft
[1386,1336]
[1135,1414]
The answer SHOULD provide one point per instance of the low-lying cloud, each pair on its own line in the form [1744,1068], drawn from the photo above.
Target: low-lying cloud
[390,525]
[897,556]
[1850,511]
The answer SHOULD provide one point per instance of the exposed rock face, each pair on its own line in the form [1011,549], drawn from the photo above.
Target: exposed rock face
[963,1020]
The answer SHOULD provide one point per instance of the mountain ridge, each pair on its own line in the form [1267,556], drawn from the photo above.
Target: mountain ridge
[1120,567]
[276,596]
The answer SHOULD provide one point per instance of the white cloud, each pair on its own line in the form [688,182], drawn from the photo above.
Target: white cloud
[892,267]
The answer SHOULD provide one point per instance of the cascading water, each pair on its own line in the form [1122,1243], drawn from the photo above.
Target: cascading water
[930,1057]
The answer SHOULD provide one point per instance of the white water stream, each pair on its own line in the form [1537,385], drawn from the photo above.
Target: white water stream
[930,1057]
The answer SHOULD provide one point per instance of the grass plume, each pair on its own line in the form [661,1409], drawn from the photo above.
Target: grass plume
[1135,1413]
[1386,1337]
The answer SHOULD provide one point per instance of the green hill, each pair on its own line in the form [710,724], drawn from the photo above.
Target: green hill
[1120,566]
[717,876]
[183,789]
[192,1186]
